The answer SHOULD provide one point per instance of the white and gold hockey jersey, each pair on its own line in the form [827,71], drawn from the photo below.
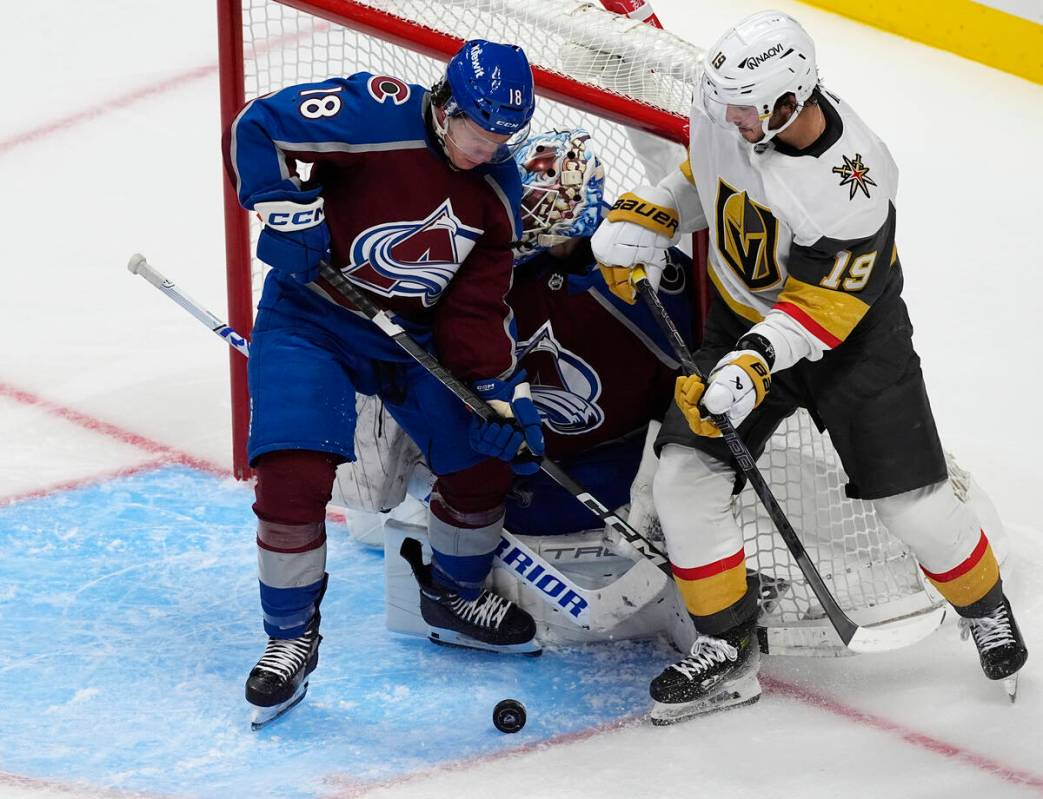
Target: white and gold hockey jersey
[802,238]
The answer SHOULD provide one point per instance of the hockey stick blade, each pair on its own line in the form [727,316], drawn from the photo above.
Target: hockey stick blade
[897,633]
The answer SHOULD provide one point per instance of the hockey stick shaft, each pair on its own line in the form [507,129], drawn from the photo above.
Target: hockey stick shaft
[382,319]
[139,266]
[844,626]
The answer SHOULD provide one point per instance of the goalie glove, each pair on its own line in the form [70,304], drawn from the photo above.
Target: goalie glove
[637,231]
[294,238]
[736,385]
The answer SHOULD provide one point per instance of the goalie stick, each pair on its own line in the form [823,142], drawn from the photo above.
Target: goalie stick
[869,638]
[604,608]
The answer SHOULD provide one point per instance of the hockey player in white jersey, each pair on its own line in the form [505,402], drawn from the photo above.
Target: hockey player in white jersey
[799,198]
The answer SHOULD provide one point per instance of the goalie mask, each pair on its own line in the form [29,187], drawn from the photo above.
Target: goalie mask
[764,57]
[563,185]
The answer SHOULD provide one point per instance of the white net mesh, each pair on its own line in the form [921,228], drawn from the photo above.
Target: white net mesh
[872,574]
[283,46]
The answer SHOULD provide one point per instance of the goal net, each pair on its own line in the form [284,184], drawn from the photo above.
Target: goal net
[616,78]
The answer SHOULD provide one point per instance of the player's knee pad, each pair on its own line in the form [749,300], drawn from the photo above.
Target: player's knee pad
[294,486]
[472,497]
[939,528]
[692,493]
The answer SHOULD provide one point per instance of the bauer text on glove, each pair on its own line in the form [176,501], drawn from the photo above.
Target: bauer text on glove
[637,230]
[737,384]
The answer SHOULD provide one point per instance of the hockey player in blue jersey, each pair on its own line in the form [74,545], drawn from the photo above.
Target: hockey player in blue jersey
[414,196]
[600,370]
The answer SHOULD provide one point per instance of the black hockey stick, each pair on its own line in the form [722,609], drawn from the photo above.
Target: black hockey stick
[591,609]
[871,638]
[383,320]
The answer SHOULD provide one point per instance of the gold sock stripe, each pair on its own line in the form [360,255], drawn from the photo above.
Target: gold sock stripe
[970,580]
[712,588]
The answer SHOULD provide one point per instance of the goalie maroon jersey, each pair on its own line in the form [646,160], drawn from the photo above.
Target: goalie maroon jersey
[427,241]
[599,369]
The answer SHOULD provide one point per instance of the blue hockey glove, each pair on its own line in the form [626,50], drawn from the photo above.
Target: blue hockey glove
[294,238]
[512,400]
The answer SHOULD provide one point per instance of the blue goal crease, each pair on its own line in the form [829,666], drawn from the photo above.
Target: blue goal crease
[130,618]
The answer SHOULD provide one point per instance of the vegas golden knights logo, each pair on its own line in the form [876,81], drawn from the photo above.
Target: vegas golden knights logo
[747,233]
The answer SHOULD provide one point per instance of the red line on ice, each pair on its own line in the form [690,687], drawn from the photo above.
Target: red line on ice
[345,788]
[50,787]
[106,107]
[146,92]
[81,482]
[1006,773]
[349,789]
[168,454]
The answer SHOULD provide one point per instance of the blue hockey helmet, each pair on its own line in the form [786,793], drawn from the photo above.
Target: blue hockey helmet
[563,188]
[490,85]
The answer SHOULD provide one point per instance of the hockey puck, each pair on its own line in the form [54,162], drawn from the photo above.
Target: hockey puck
[509,715]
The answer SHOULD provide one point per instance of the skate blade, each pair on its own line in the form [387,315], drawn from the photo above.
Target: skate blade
[449,638]
[1010,685]
[734,696]
[263,716]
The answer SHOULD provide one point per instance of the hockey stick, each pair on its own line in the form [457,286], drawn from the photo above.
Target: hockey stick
[139,266]
[594,609]
[383,320]
[870,638]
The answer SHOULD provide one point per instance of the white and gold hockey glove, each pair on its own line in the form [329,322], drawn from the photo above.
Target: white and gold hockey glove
[735,386]
[637,231]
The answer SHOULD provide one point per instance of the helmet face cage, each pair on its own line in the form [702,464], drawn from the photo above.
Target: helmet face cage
[563,186]
[763,58]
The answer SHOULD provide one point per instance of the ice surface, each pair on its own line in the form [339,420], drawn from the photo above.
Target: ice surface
[128,605]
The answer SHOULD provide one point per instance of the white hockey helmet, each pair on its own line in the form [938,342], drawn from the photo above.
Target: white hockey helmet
[763,57]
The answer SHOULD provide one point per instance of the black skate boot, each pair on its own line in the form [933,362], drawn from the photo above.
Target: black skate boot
[1000,646]
[489,622]
[279,681]
[720,673]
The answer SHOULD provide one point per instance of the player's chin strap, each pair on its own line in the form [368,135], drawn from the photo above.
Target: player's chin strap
[384,321]
[873,638]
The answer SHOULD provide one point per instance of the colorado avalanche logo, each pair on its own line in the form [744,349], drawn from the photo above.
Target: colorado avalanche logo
[412,259]
[568,408]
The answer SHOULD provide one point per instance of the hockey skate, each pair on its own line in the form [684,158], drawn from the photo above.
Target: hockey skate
[1000,646]
[718,674]
[279,681]
[489,622]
